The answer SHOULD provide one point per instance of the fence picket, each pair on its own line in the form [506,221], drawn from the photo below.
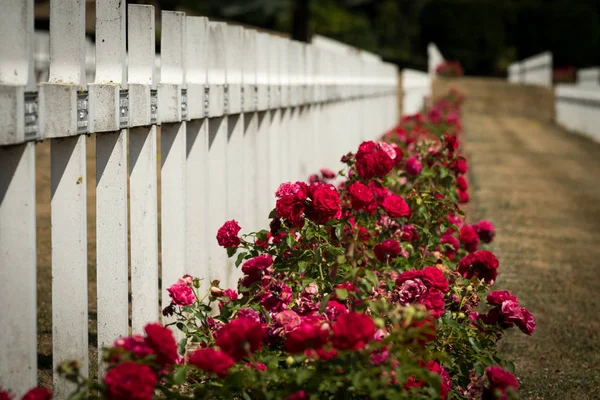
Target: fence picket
[173,151]
[217,151]
[61,120]
[18,352]
[250,120]
[111,175]
[197,146]
[143,200]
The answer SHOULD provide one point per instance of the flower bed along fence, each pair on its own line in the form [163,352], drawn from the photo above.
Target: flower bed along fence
[368,284]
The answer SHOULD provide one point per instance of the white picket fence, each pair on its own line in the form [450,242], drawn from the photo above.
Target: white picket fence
[239,112]
[416,89]
[589,77]
[434,59]
[534,70]
[578,109]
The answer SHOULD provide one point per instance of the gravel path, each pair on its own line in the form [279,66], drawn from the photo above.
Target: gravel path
[539,185]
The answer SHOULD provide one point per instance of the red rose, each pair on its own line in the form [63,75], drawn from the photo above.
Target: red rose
[373,160]
[306,336]
[463,197]
[211,360]
[433,300]
[135,344]
[360,195]
[162,342]
[409,233]
[454,245]
[500,380]
[301,395]
[396,207]
[254,269]
[326,173]
[181,294]
[38,393]
[227,234]
[468,237]
[334,309]
[352,331]
[240,337]
[291,202]
[451,142]
[6,395]
[527,322]
[130,381]
[325,203]
[432,366]
[497,297]
[387,250]
[399,154]
[481,264]
[485,230]
[460,166]
[461,183]
[413,166]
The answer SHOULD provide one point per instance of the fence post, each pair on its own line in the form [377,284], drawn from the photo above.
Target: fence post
[172,106]
[18,350]
[64,109]
[109,118]
[142,164]
[217,151]
[197,147]
[285,160]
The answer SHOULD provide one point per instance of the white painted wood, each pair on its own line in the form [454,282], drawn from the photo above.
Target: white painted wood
[111,176]
[578,109]
[416,85]
[217,153]
[197,148]
[250,121]
[18,350]
[69,257]
[173,206]
[173,152]
[142,170]
[111,237]
[144,227]
[16,33]
[589,77]
[276,131]
[234,37]
[434,58]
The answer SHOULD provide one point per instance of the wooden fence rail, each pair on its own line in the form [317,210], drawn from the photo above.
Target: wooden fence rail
[239,112]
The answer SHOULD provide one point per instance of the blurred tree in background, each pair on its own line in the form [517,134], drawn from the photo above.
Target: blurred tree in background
[484,35]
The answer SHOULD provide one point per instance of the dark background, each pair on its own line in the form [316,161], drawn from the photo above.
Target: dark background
[483,35]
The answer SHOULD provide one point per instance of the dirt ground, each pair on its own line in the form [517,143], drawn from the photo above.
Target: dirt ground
[539,185]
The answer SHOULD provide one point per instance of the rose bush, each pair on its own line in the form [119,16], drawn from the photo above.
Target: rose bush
[367,284]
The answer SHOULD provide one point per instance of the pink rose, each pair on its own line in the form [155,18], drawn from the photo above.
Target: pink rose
[181,294]
[227,234]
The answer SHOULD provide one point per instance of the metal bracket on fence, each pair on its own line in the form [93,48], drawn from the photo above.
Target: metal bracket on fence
[153,106]
[31,115]
[82,112]
[206,97]
[242,98]
[225,99]
[256,97]
[123,109]
[184,104]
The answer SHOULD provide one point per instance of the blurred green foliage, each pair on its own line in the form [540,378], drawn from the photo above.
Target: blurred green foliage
[484,35]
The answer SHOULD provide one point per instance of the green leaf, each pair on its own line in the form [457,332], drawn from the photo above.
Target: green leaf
[273,213]
[290,240]
[302,376]
[302,266]
[510,366]
[339,231]
[324,303]
[231,251]
[179,375]
[341,294]
[240,259]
